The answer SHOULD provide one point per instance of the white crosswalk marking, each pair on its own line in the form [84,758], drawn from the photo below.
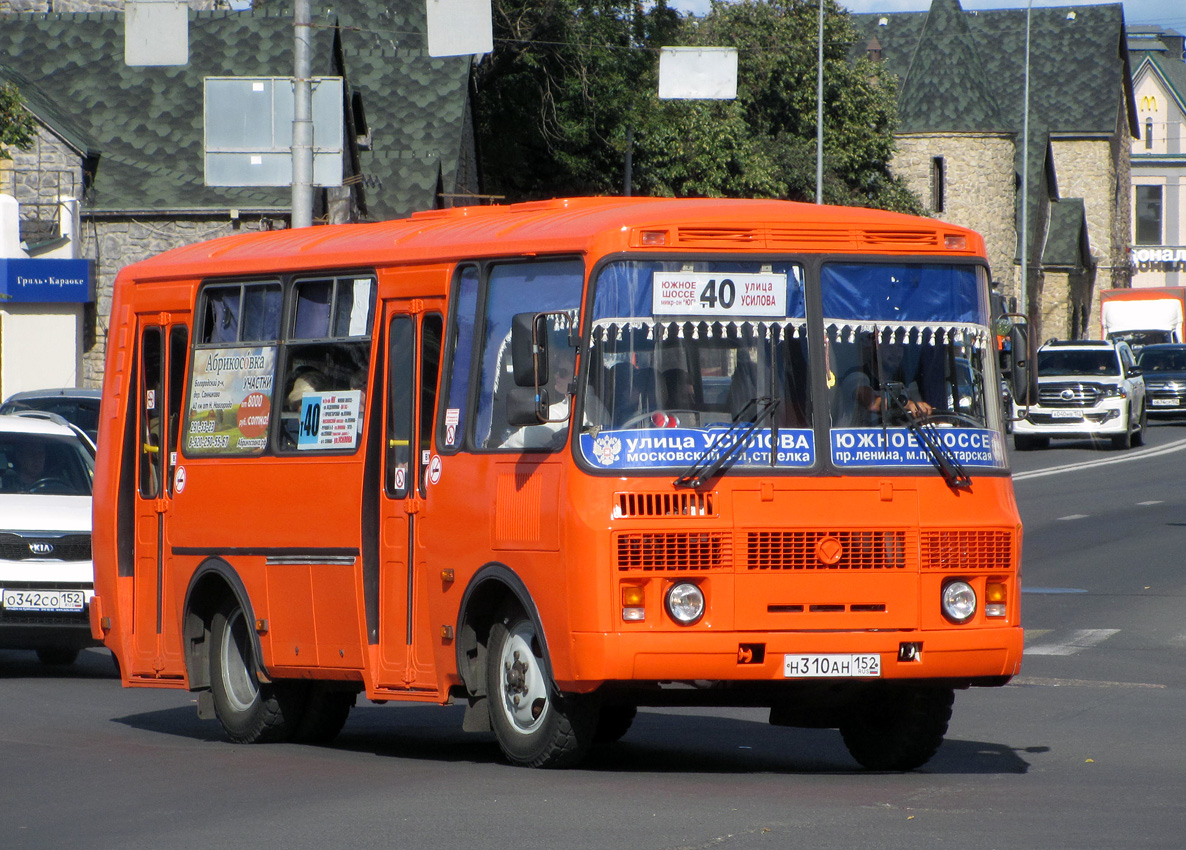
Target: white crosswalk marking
[1078,640]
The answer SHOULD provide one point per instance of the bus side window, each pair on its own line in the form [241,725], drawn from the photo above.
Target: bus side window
[330,348]
[547,286]
[430,366]
[178,349]
[463,315]
[151,409]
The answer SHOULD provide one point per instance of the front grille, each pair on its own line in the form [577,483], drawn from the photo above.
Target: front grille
[665,505]
[1165,386]
[16,546]
[1072,394]
[967,550]
[801,550]
[674,551]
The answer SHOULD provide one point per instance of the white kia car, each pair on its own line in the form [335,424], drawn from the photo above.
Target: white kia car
[46,576]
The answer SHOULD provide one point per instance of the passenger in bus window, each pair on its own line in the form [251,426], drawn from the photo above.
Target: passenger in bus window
[550,434]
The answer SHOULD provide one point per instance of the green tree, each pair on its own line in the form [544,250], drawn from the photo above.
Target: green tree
[771,126]
[17,127]
[555,98]
[571,86]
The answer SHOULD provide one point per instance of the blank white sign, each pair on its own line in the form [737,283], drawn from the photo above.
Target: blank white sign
[156,32]
[687,73]
[459,27]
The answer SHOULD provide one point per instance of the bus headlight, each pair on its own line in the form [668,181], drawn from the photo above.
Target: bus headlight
[959,601]
[685,603]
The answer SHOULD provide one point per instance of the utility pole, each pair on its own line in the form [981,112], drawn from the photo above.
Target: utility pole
[819,113]
[302,115]
[1023,287]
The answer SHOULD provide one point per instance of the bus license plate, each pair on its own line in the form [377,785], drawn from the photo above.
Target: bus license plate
[831,666]
[44,600]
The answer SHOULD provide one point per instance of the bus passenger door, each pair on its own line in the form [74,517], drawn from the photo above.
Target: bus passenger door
[406,641]
[161,357]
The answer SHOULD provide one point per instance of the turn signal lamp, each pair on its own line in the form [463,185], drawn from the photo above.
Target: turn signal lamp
[652,238]
[955,242]
[633,603]
[994,599]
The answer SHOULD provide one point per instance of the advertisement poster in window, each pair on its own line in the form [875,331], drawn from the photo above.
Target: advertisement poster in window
[230,401]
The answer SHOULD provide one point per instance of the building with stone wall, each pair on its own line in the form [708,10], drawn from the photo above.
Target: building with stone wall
[1058,198]
[127,142]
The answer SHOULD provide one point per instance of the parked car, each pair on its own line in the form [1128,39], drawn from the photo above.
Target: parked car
[46,575]
[1164,370]
[1086,388]
[77,406]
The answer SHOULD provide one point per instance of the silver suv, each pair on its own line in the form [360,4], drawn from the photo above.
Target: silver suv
[46,575]
[1086,388]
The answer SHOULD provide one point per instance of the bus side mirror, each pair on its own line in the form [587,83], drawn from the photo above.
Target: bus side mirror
[527,406]
[529,349]
[1023,376]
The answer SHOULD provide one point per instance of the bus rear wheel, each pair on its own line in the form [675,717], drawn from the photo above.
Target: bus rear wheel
[898,728]
[534,724]
[250,711]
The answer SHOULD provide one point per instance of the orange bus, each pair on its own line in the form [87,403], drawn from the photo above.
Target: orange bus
[560,460]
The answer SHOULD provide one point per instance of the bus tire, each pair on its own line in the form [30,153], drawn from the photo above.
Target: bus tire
[326,711]
[899,728]
[613,722]
[534,724]
[250,711]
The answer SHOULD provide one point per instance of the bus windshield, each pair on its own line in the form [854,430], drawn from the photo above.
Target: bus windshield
[682,351]
[908,344]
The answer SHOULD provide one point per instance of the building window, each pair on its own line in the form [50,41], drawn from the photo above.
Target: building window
[1148,134]
[1148,215]
[937,178]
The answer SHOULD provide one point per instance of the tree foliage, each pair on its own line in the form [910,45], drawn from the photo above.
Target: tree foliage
[570,86]
[17,127]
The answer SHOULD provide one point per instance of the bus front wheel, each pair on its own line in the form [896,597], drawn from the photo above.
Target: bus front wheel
[535,725]
[898,728]
[250,711]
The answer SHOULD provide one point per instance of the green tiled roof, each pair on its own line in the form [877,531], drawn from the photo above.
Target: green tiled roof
[1066,241]
[146,123]
[964,72]
[1078,66]
[945,84]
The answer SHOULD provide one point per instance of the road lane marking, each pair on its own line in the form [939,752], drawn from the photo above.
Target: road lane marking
[1072,516]
[1079,683]
[1141,454]
[1078,641]
[1053,590]
[1152,502]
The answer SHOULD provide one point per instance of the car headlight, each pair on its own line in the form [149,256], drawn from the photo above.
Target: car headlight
[959,601]
[1114,392]
[685,603]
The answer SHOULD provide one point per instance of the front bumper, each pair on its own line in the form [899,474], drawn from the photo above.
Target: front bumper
[990,655]
[1105,419]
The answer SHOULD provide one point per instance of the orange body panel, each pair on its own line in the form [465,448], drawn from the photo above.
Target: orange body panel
[539,515]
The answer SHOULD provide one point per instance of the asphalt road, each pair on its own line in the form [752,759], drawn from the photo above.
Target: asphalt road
[1084,750]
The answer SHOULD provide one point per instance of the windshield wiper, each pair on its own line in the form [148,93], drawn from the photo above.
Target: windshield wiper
[726,447]
[941,456]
